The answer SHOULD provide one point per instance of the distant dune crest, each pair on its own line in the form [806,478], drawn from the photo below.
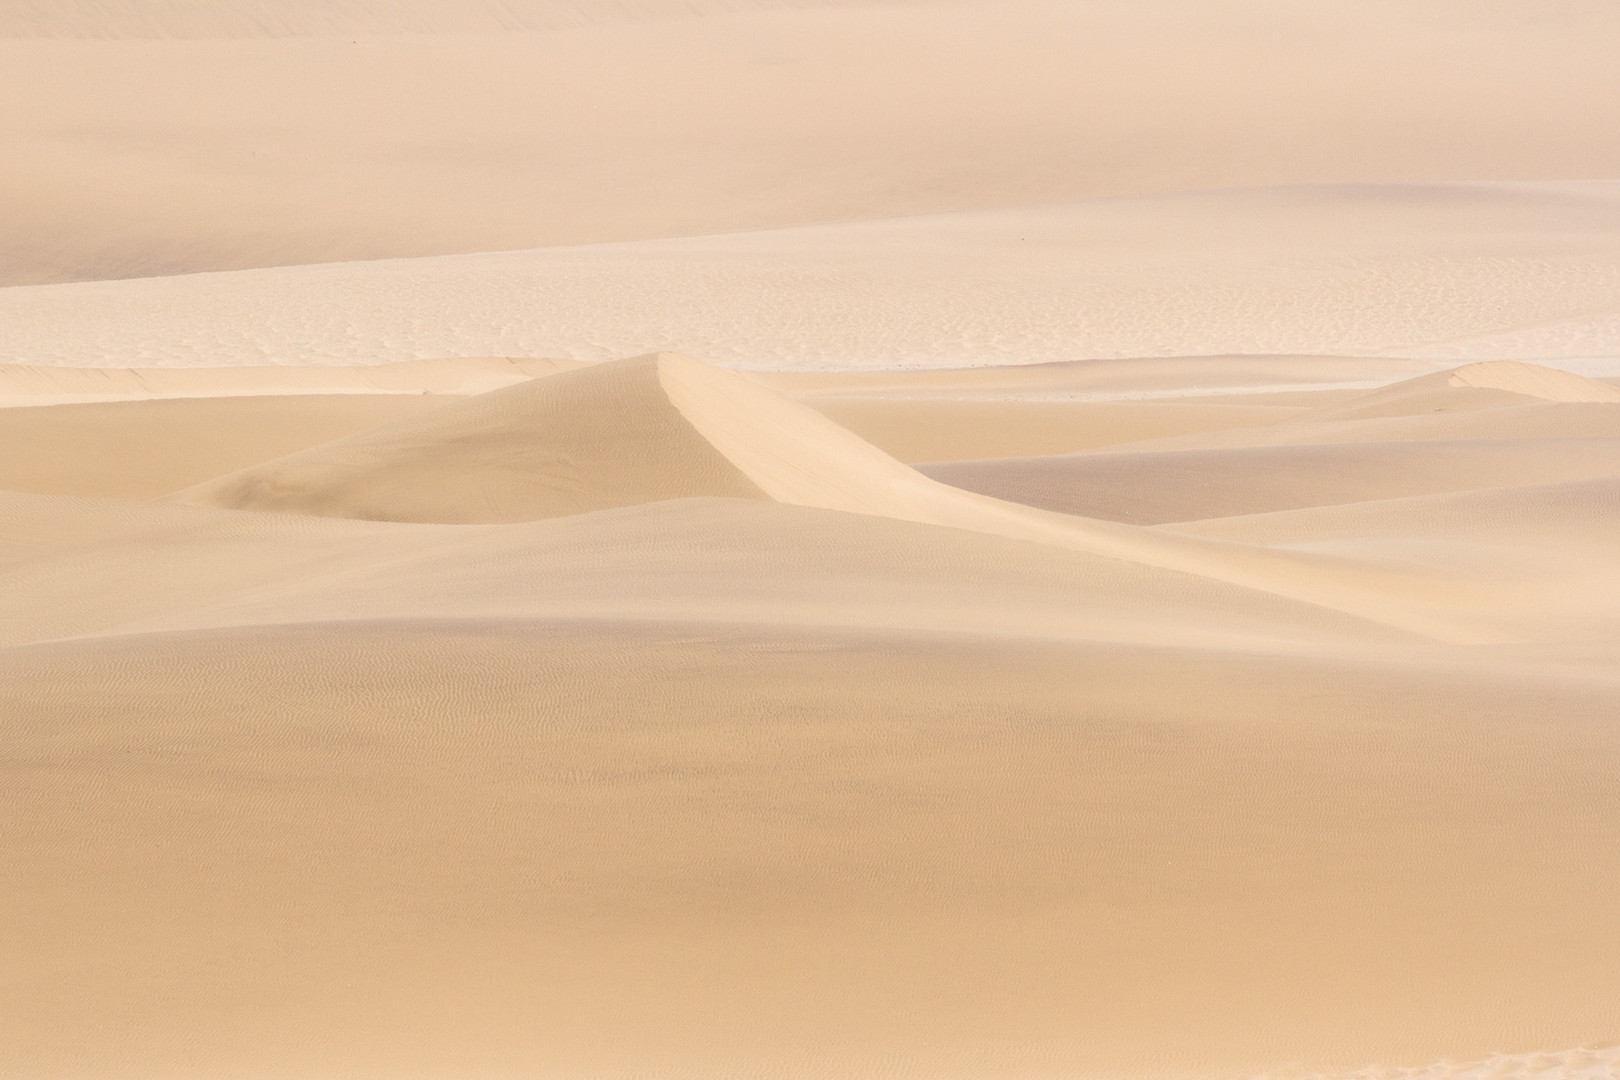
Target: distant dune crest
[1545,384]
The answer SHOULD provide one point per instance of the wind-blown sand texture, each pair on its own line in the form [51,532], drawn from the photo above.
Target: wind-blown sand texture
[809,538]
[653,721]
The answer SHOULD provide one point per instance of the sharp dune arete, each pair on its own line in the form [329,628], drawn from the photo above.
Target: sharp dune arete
[1058,539]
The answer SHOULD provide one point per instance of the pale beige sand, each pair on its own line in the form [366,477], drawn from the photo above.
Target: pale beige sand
[853,774]
[160,136]
[1560,521]
[141,449]
[1053,408]
[682,428]
[1182,485]
[1122,379]
[586,440]
[79,566]
[1448,405]
[376,702]
[444,848]
[1547,551]
[1366,271]
[1487,385]
[920,428]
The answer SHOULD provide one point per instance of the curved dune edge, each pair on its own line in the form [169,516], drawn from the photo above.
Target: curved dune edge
[596,438]
[1490,384]
[797,456]
[1533,380]
[667,426]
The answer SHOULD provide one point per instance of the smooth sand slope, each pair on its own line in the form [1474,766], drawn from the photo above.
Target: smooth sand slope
[1256,468]
[667,426]
[142,449]
[641,718]
[587,440]
[1059,540]
[445,848]
[1183,485]
[146,137]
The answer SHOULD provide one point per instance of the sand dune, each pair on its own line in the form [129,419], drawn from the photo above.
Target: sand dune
[690,780]
[1130,590]
[146,137]
[1486,385]
[1182,485]
[923,428]
[1364,271]
[1477,426]
[142,449]
[585,440]
[447,847]
[1547,552]
[1122,379]
[1558,520]
[80,567]
[668,426]
[1487,414]
[1531,380]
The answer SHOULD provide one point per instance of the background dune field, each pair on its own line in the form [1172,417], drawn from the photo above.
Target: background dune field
[809,538]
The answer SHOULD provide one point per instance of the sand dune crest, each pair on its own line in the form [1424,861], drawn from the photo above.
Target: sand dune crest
[1487,385]
[666,426]
[1533,380]
[591,439]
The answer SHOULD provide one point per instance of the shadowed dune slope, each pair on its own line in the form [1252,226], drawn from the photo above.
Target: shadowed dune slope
[583,440]
[1185,485]
[1498,400]
[1550,553]
[1540,420]
[1573,520]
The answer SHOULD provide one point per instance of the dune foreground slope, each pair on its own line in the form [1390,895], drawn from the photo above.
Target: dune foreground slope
[809,539]
[640,717]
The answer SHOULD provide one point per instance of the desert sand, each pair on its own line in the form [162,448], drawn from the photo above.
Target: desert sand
[816,538]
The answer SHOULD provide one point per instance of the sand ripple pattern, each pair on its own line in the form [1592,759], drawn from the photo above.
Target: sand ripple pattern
[1401,270]
[1587,1063]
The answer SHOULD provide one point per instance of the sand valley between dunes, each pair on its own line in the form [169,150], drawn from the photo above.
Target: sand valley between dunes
[809,539]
